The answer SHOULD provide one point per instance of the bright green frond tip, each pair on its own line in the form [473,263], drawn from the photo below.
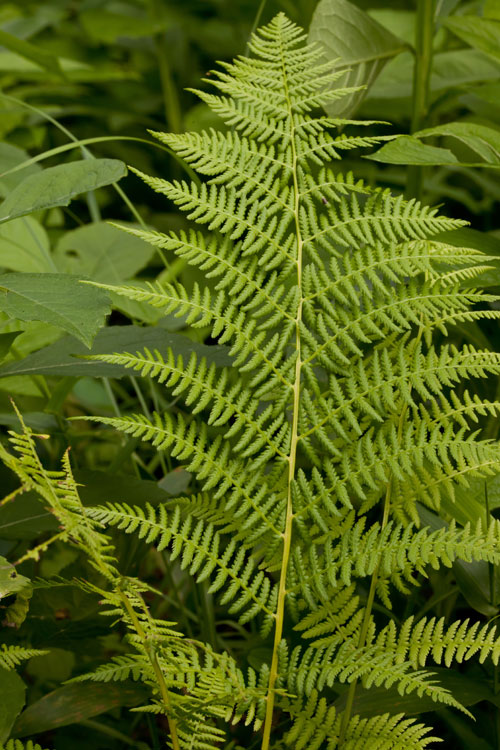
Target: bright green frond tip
[343,413]
[21,745]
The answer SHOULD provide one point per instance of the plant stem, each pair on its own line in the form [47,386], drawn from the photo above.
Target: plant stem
[421,84]
[172,724]
[287,534]
[34,552]
[170,98]
[97,726]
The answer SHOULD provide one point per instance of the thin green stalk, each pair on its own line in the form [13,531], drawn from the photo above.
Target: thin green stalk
[35,552]
[421,84]
[255,24]
[171,103]
[153,731]
[147,413]
[172,724]
[116,409]
[292,458]
[98,726]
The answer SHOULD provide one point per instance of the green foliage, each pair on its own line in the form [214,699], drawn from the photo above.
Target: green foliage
[323,415]
[336,533]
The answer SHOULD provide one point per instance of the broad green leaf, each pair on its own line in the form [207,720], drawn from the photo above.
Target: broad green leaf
[492,9]
[61,358]
[481,33]
[11,156]
[472,577]
[401,23]
[30,52]
[468,237]
[24,246]
[479,138]
[57,299]
[6,341]
[18,590]
[34,336]
[12,698]
[353,40]
[74,70]
[454,68]
[176,482]
[76,702]
[102,252]
[410,150]
[470,502]
[106,26]
[57,665]
[57,186]
[25,517]
[488,244]
[484,141]
[10,580]
[39,421]
[473,580]
[26,26]
[98,487]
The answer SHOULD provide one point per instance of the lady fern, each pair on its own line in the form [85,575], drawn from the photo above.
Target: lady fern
[312,452]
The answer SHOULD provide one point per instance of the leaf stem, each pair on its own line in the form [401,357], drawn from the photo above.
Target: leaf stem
[287,534]
[172,724]
[421,84]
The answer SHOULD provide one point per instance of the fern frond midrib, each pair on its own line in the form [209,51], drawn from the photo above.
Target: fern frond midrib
[287,533]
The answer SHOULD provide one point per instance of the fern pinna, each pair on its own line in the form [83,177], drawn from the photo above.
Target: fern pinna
[337,420]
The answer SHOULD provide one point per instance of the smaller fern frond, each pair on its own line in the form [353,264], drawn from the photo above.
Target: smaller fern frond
[198,546]
[316,725]
[12,656]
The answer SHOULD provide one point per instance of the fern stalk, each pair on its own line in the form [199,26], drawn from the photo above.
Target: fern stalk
[172,724]
[287,534]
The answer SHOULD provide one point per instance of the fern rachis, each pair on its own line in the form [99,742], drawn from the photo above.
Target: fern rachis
[311,451]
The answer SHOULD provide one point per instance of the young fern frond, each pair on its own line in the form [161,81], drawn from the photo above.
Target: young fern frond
[20,745]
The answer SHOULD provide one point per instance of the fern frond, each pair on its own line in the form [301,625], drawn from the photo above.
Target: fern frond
[202,552]
[337,403]
[317,725]
[12,656]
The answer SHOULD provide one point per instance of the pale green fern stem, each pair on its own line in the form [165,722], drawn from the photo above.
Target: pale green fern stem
[287,534]
[172,724]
